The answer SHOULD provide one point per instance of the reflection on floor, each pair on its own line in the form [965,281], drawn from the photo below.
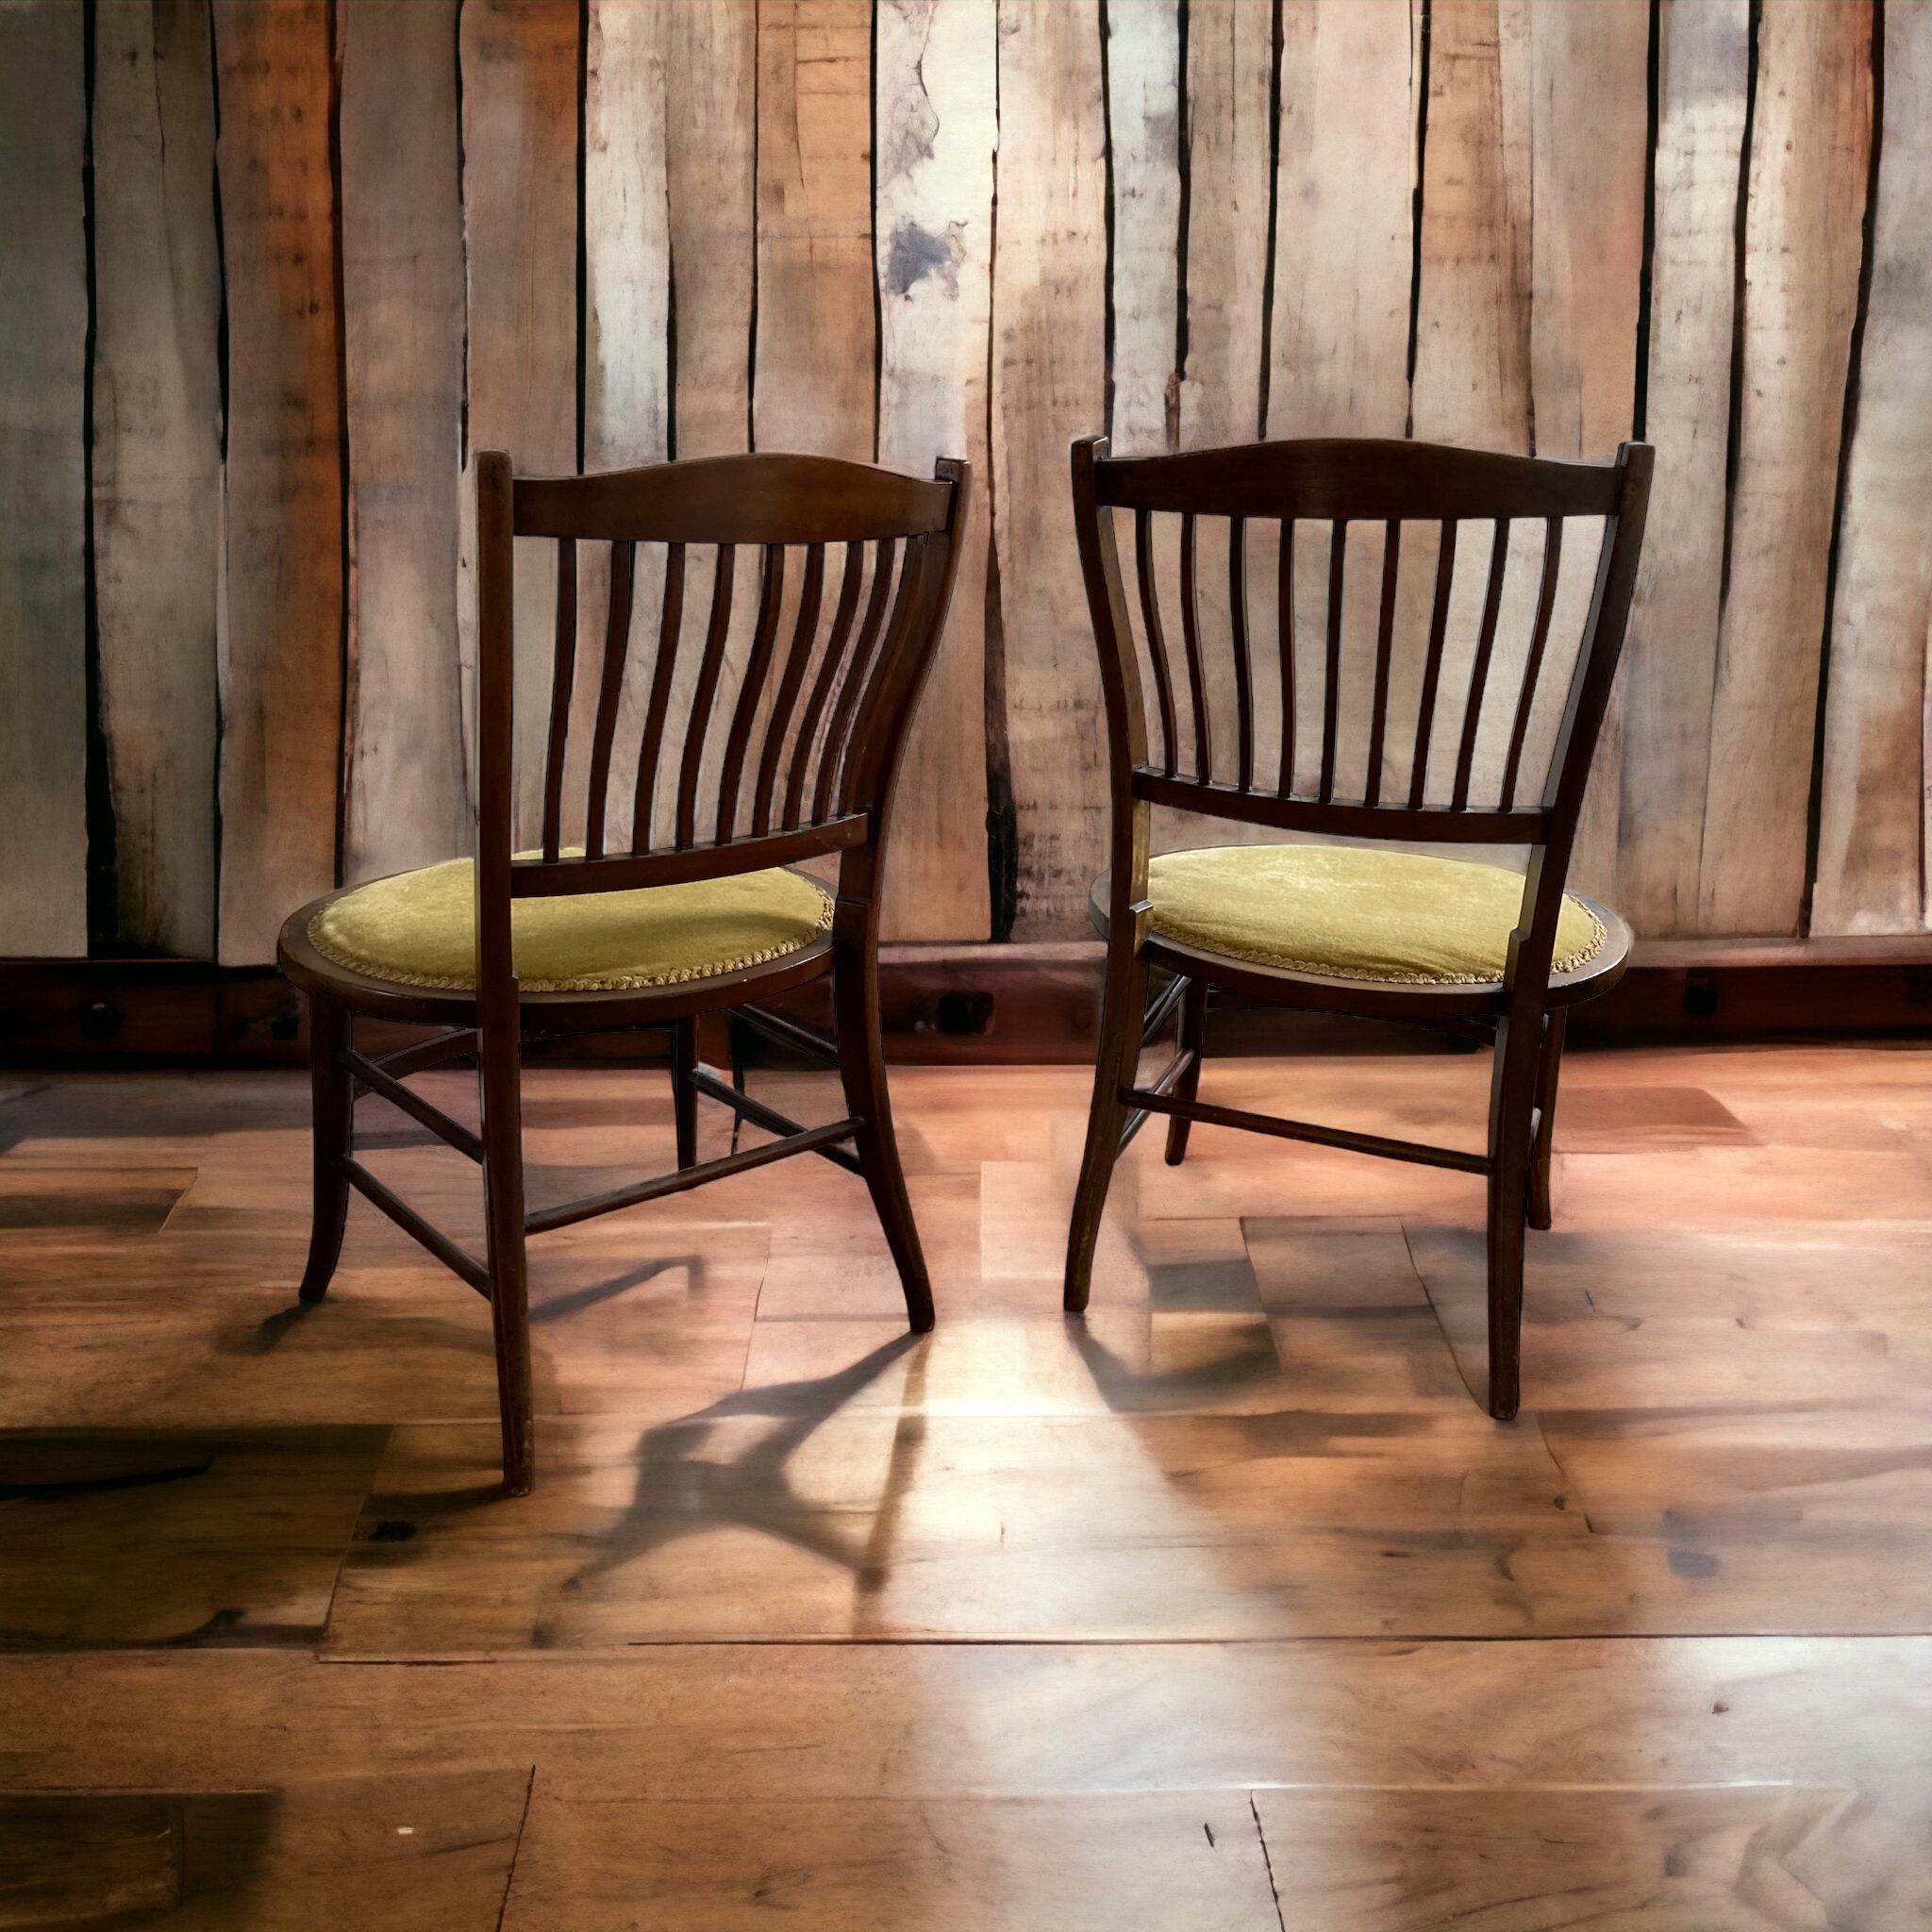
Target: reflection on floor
[1225,1608]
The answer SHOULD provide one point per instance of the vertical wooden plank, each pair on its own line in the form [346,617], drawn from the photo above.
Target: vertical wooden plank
[627,361]
[1049,379]
[1143,135]
[1344,243]
[816,336]
[403,371]
[43,487]
[1671,652]
[281,630]
[1873,805]
[156,462]
[1589,149]
[1344,221]
[520,213]
[1227,158]
[938,127]
[1802,247]
[710,60]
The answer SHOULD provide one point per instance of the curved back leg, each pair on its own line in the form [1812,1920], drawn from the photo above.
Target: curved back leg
[333,1090]
[862,1069]
[1549,1066]
[1121,1010]
[1191,1037]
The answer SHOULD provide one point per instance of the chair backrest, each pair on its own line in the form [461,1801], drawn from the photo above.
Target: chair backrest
[757,725]
[1392,700]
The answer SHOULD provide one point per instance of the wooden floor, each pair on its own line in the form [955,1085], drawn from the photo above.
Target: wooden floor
[1227,1608]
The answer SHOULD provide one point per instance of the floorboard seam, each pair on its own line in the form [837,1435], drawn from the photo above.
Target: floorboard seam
[516,1850]
[1268,1861]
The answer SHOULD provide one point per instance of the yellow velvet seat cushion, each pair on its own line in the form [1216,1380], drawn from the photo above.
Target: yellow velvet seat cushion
[1353,913]
[419,928]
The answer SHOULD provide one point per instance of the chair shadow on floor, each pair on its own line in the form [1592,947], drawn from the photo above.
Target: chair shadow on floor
[681,1491]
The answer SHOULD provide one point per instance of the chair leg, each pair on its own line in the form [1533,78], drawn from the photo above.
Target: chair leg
[1121,1009]
[502,1193]
[1191,1035]
[684,1096]
[1512,1093]
[1549,1066]
[333,1095]
[862,1069]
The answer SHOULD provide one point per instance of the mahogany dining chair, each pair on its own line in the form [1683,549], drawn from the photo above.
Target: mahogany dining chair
[763,743]
[1353,927]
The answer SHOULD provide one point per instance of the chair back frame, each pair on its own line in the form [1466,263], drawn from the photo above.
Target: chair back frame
[855,706]
[1339,481]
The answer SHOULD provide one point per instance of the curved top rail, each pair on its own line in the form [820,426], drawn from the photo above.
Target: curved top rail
[1368,478]
[761,498]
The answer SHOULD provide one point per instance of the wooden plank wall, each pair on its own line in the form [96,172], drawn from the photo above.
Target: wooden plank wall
[251,370]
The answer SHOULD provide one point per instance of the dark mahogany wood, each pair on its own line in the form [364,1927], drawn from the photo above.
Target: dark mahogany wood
[1337,483]
[815,734]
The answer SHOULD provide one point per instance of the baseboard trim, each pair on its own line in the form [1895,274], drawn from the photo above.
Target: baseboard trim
[961,1005]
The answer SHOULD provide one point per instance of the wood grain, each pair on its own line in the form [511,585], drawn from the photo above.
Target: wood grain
[1803,243]
[936,83]
[403,319]
[816,336]
[1872,783]
[281,632]
[1589,170]
[520,213]
[1049,383]
[43,307]
[1671,650]
[156,464]
[627,362]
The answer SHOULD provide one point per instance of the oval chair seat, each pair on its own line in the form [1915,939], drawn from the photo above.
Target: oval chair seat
[419,928]
[1356,912]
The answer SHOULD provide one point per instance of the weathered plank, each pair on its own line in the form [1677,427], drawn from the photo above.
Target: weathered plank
[1872,802]
[43,488]
[408,793]
[281,630]
[1589,165]
[627,327]
[1803,245]
[1143,125]
[520,212]
[710,64]
[1226,157]
[1049,379]
[816,337]
[1671,652]
[936,87]
[1339,349]
[1345,222]
[156,463]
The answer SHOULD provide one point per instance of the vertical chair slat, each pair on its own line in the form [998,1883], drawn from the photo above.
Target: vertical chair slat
[1156,639]
[842,613]
[650,748]
[1539,639]
[1432,664]
[1479,671]
[797,659]
[885,554]
[1284,590]
[1384,641]
[1243,673]
[1331,684]
[1190,636]
[562,676]
[763,643]
[703,696]
[624,561]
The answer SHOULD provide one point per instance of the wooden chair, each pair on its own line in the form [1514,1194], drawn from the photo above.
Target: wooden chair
[1346,928]
[786,749]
